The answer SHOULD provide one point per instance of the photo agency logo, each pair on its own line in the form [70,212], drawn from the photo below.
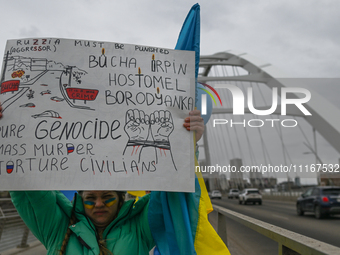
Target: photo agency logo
[204,97]
[289,96]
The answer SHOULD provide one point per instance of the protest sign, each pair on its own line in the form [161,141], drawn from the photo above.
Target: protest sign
[86,115]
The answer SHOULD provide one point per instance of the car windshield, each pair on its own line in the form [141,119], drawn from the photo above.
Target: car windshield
[253,192]
[335,192]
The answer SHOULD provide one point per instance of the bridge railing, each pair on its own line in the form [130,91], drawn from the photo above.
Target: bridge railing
[13,231]
[289,243]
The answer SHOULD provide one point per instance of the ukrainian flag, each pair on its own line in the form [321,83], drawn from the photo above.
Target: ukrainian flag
[138,194]
[179,221]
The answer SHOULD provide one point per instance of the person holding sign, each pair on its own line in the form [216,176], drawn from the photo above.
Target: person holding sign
[98,222]
[101,222]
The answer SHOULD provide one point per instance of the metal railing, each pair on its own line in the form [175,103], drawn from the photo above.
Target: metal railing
[13,231]
[288,242]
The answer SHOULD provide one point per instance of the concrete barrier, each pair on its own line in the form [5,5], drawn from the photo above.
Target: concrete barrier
[289,243]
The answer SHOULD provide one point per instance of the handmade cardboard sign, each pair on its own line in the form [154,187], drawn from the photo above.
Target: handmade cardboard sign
[85,115]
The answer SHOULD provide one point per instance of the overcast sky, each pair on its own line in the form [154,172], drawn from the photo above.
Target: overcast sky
[299,37]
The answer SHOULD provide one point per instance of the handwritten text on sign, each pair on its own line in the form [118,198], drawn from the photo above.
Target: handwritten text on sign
[95,115]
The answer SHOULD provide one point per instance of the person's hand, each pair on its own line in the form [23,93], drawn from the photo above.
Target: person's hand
[137,125]
[195,123]
[0,110]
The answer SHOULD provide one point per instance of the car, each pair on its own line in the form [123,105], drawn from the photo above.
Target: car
[322,201]
[233,193]
[215,194]
[250,196]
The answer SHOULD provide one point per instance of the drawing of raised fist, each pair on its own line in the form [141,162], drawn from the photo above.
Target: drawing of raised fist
[136,126]
[145,149]
[162,125]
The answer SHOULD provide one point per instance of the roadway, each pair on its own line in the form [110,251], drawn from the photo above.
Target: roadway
[281,214]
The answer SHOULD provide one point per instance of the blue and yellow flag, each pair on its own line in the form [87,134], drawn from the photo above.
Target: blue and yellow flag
[138,194]
[179,221]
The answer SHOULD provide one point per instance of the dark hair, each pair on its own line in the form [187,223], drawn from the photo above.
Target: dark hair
[72,221]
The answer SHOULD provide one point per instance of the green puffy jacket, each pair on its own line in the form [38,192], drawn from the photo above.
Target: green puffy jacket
[47,214]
